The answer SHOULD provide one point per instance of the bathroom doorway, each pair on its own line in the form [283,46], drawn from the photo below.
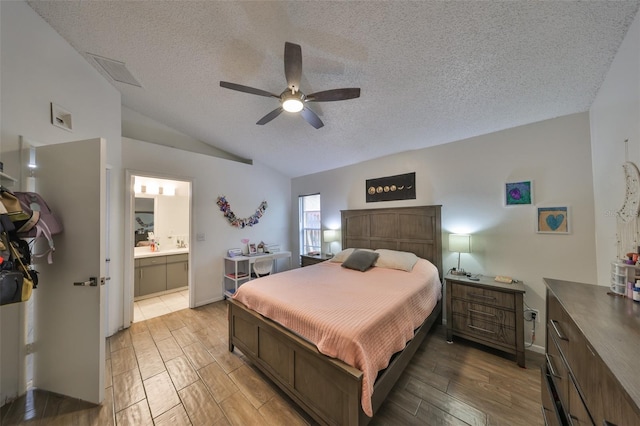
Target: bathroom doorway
[158,254]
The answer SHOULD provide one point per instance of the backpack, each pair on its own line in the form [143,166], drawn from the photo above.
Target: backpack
[15,259]
[10,206]
[41,221]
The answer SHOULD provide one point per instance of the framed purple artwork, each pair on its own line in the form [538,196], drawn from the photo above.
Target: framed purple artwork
[518,193]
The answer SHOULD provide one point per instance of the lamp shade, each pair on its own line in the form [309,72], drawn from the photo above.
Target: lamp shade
[330,235]
[460,243]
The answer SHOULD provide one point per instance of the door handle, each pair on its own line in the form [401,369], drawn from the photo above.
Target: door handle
[93,282]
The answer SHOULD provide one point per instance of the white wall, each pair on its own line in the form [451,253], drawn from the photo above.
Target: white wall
[615,116]
[140,127]
[39,67]
[245,187]
[467,178]
[171,219]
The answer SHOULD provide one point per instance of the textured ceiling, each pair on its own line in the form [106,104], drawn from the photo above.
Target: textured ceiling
[430,72]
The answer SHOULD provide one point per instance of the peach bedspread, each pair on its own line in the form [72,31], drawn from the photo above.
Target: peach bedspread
[361,318]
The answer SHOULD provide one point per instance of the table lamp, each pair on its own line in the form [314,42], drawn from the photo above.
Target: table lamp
[460,243]
[330,236]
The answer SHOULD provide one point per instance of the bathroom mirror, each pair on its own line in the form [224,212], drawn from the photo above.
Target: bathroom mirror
[143,218]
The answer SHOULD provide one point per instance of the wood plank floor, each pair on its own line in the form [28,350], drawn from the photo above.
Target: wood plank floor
[176,369]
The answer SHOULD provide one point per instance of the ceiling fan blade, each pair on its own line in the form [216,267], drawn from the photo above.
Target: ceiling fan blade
[334,95]
[293,65]
[311,117]
[267,118]
[247,89]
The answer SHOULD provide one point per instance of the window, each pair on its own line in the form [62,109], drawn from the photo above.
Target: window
[309,206]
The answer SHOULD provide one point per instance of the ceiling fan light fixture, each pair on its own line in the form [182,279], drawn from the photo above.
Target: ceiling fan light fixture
[292,101]
[292,105]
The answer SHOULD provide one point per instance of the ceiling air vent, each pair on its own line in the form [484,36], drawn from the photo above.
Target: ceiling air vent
[116,70]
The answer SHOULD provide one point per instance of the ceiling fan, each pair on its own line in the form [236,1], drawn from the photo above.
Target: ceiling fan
[292,99]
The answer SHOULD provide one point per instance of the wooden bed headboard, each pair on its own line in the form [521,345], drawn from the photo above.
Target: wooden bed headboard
[413,229]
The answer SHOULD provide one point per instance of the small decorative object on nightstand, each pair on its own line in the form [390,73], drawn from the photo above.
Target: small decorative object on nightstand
[487,312]
[312,259]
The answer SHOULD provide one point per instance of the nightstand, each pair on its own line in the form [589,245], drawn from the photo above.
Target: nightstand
[307,259]
[487,312]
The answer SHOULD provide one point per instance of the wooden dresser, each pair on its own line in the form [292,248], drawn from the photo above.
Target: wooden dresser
[592,373]
[486,312]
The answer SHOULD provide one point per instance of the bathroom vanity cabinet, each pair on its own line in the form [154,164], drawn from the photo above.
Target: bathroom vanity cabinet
[160,273]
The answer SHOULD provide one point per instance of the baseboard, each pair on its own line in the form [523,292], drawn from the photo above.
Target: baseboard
[534,348]
[206,302]
[160,293]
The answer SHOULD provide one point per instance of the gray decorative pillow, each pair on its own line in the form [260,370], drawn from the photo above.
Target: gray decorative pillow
[360,260]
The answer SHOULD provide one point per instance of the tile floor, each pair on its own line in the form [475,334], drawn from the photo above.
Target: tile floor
[176,370]
[161,305]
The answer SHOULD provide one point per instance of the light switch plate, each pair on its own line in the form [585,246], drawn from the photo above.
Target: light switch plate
[60,117]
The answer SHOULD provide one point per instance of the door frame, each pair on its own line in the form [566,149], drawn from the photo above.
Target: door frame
[128,261]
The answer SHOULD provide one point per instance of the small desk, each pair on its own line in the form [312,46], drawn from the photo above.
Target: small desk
[237,269]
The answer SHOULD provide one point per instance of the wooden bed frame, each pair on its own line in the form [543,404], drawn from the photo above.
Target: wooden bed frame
[326,388]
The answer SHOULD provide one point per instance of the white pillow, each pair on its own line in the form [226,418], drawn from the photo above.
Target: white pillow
[344,254]
[394,259]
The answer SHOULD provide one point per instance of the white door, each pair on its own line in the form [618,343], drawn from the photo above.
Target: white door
[69,333]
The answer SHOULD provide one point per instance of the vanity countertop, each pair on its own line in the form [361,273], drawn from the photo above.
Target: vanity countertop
[140,252]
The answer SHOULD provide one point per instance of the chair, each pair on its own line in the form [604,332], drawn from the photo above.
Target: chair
[263,267]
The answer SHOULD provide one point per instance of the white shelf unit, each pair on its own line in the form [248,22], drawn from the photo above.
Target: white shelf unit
[621,274]
[237,270]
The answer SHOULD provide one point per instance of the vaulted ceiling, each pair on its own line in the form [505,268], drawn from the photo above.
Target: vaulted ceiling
[430,72]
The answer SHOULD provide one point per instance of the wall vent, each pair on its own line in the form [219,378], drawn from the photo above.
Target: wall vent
[116,70]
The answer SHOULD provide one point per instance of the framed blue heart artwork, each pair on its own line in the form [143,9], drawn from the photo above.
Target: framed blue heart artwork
[518,193]
[553,220]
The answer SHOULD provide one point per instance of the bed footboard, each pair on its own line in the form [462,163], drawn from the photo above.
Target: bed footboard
[385,381]
[328,389]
